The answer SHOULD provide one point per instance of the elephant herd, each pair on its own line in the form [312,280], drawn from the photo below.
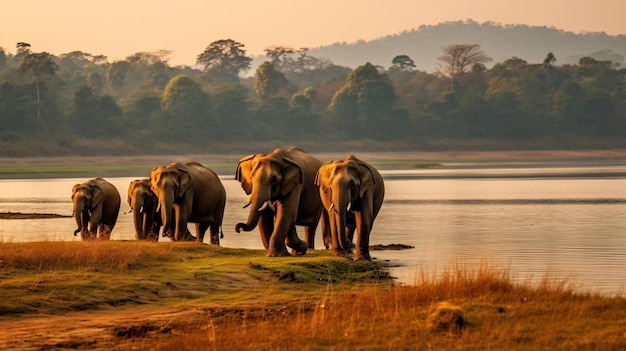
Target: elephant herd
[287,188]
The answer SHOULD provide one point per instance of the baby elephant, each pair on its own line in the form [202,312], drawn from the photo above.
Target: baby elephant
[96,206]
[143,204]
[352,192]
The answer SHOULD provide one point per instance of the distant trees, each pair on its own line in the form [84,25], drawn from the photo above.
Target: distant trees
[402,63]
[361,107]
[144,102]
[458,59]
[223,60]
[268,81]
[189,114]
[40,65]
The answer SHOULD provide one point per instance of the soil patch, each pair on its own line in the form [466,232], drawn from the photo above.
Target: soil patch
[19,215]
[381,247]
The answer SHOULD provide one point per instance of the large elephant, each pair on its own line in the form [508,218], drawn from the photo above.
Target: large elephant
[189,192]
[282,195]
[352,192]
[96,207]
[143,204]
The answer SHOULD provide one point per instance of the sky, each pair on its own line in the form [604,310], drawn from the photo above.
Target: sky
[120,28]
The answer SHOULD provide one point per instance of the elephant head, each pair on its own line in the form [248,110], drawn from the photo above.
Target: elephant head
[351,192]
[96,205]
[267,178]
[169,184]
[143,204]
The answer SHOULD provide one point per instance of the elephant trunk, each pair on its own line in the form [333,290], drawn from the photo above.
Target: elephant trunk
[166,203]
[258,204]
[341,206]
[79,207]
[138,218]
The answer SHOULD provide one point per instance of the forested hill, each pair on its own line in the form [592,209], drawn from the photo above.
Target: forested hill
[500,42]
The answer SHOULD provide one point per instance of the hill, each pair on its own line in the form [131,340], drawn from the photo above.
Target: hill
[499,41]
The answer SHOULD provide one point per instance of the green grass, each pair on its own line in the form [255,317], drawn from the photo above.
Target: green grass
[53,277]
[72,170]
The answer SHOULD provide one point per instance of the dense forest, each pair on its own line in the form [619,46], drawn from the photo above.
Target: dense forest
[79,103]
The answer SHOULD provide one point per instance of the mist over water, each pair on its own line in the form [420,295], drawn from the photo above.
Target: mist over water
[563,220]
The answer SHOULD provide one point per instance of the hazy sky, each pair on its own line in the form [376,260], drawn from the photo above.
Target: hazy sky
[119,28]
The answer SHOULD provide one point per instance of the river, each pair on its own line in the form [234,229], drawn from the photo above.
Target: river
[562,220]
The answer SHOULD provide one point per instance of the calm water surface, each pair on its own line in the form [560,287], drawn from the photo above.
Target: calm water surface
[564,220]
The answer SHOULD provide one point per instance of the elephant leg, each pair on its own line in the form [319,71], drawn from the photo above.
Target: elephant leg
[104,232]
[298,246]
[153,232]
[336,235]
[214,232]
[350,227]
[85,234]
[266,227]
[326,235]
[363,226]
[283,226]
[201,229]
[309,236]
[276,245]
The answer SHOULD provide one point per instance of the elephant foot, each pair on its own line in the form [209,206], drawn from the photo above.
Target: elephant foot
[298,252]
[362,257]
[277,252]
[342,253]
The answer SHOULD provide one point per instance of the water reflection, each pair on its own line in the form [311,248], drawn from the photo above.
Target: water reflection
[564,220]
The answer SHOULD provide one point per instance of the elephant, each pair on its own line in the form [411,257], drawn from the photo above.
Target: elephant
[143,204]
[189,192]
[282,195]
[96,207]
[352,192]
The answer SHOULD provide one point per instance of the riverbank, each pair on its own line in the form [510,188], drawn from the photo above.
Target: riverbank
[81,166]
[184,296]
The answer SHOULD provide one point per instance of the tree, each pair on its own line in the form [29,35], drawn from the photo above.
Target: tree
[402,63]
[364,103]
[41,65]
[458,59]
[116,74]
[268,81]
[95,116]
[548,62]
[188,108]
[224,59]
[280,55]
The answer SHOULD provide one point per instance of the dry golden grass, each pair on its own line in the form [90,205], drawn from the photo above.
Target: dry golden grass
[184,296]
[497,315]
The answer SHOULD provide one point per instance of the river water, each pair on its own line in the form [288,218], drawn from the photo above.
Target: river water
[560,220]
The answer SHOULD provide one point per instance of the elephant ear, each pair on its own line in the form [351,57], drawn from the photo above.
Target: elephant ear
[242,174]
[74,188]
[184,180]
[97,196]
[321,178]
[367,178]
[292,176]
[153,178]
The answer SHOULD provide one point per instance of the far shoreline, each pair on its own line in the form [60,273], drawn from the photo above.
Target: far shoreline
[138,165]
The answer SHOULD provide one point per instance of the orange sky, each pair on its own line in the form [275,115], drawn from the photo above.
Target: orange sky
[119,28]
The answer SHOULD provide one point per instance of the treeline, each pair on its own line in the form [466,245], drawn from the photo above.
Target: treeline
[80,103]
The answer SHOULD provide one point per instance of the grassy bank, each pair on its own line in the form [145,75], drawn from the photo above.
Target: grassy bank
[184,296]
[226,163]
